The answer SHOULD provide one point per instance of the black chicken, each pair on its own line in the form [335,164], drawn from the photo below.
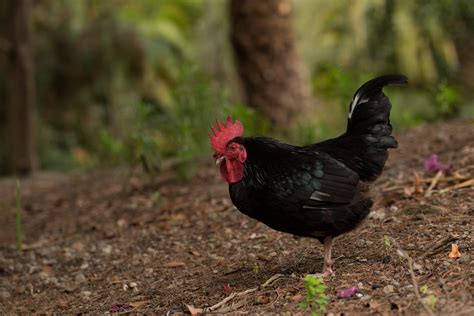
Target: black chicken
[318,190]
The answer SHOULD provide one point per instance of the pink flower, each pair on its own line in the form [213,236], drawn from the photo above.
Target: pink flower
[433,165]
[119,308]
[227,288]
[348,292]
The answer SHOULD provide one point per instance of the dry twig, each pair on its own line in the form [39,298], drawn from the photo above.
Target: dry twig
[439,246]
[434,182]
[464,184]
[233,295]
[395,186]
[405,255]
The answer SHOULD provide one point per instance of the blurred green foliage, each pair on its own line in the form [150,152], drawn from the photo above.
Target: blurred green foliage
[137,82]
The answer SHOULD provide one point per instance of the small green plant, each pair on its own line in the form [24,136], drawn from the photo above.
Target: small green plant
[386,242]
[18,219]
[256,268]
[430,298]
[156,197]
[315,299]
[447,100]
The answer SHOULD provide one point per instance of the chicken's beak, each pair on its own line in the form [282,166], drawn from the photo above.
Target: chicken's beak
[219,160]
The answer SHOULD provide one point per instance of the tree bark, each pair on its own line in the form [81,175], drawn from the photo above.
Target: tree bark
[21,92]
[266,58]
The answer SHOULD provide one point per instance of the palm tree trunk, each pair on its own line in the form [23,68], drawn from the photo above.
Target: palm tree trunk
[266,58]
[21,92]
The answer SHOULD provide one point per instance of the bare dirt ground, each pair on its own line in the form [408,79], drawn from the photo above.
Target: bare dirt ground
[105,242]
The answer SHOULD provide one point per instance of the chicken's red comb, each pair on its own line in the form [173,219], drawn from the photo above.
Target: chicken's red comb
[223,134]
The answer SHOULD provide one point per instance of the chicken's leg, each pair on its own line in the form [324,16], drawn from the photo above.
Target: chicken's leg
[327,269]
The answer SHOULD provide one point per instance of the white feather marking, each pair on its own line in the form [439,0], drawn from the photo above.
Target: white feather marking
[354,103]
[317,195]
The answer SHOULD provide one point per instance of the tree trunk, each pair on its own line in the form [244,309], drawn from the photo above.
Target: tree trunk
[21,92]
[267,61]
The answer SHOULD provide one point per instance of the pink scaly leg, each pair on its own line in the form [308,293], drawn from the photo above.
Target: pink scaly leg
[327,270]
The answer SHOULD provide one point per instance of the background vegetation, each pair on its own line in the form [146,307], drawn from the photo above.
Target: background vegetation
[137,82]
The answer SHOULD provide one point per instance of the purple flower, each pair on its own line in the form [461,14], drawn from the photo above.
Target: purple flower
[433,165]
[119,308]
[348,292]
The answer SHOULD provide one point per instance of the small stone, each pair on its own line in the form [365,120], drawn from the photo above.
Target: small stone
[78,246]
[377,214]
[33,269]
[296,298]
[20,289]
[133,284]
[107,249]
[465,258]
[80,278]
[68,287]
[387,259]
[52,280]
[388,289]
[84,266]
[417,267]
[30,255]
[122,223]
[263,299]
[4,294]
[86,293]
[366,298]
[148,271]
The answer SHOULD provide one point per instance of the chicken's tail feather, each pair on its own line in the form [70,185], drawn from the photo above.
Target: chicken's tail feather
[363,147]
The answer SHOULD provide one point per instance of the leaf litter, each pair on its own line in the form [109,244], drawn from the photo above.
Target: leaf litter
[184,249]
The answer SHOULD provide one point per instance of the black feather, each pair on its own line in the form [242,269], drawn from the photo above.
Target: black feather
[363,147]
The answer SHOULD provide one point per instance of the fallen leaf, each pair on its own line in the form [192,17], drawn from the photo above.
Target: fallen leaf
[216,257]
[38,244]
[174,264]
[348,292]
[263,299]
[388,289]
[175,218]
[78,246]
[47,269]
[139,304]
[296,298]
[408,191]
[418,185]
[461,185]
[454,251]
[193,310]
